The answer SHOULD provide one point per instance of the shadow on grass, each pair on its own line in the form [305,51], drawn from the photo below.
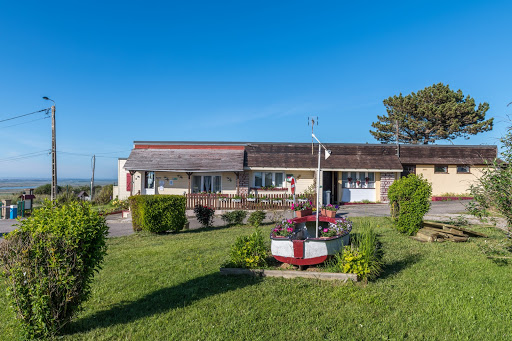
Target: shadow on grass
[161,301]
[399,265]
[206,229]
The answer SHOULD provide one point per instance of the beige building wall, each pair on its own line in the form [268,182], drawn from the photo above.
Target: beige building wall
[120,191]
[451,182]
[180,182]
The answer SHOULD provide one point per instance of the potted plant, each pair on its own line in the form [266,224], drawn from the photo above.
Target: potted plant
[349,182]
[358,183]
[289,199]
[340,228]
[303,198]
[277,200]
[236,198]
[329,210]
[303,209]
[264,199]
[283,229]
[251,197]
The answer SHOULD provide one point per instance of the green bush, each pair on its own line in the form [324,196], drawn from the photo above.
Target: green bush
[249,251]
[256,218]
[204,215]
[234,217]
[362,257]
[158,213]
[105,195]
[410,200]
[49,263]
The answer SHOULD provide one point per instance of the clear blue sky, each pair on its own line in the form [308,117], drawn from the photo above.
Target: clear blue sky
[232,71]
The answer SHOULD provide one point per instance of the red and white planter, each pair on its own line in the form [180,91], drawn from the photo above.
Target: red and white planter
[310,251]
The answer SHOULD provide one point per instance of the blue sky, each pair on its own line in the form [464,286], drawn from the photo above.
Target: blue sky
[232,71]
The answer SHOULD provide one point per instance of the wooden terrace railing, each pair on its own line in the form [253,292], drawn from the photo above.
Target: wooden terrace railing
[243,202]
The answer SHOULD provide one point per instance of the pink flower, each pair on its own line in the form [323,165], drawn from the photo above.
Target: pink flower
[326,230]
[289,229]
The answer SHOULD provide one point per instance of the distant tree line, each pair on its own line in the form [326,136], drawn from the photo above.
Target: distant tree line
[102,194]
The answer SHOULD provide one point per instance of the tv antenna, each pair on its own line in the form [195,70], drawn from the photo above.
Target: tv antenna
[312,120]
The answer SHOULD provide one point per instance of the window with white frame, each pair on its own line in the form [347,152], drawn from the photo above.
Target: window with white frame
[206,183]
[268,179]
[358,179]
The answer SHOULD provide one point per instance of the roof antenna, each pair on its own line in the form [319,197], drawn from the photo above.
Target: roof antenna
[312,120]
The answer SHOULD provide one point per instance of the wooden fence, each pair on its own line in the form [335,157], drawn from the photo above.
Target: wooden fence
[243,202]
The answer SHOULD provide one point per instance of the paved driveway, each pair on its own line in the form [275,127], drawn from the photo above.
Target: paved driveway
[119,226]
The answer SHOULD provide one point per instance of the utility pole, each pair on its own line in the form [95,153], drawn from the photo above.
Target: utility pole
[92,179]
[54,153]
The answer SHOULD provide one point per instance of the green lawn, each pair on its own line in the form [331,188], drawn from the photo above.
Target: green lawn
[168,288]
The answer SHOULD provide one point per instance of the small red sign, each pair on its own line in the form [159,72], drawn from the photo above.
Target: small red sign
[293,185]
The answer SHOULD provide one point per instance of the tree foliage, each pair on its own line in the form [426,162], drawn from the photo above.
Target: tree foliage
[434,113]
[493,190]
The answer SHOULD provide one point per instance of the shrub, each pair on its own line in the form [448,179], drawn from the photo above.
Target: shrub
[105,194]
[256,218]
[49,262]
[249,251]
[363,257]
[410,200]
[204,215]
[158,213]
[234,217]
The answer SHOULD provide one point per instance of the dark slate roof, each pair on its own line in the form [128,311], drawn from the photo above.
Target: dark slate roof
[343,156]
[183,160]
[447,155]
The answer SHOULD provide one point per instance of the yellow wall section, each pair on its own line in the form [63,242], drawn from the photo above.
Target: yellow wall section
[451,182]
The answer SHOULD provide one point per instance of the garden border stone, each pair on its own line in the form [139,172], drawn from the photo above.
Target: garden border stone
[336,276]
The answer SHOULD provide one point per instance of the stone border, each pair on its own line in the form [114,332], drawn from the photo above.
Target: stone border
[290,274]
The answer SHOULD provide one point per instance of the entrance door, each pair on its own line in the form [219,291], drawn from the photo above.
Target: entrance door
[408,169]
[327,186]
[149,183]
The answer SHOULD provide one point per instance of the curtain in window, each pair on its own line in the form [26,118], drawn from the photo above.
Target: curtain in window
[258,181]
[279,179]
[268,179]
[216,184]
[207,180]
[196,184]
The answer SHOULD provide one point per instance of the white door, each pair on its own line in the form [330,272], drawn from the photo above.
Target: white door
[149,183]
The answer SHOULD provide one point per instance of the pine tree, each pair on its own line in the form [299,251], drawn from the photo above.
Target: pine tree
[434,113]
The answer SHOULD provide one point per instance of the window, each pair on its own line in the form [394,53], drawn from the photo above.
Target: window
[206,183]
[463,169]
[440,169]
[350,179]
[267,179]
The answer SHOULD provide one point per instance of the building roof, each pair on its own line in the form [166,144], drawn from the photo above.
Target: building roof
[194,156]
[183,159]
[447,155]
[346,156]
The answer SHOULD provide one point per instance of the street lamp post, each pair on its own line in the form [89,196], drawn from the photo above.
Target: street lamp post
[327,154]
[54,153]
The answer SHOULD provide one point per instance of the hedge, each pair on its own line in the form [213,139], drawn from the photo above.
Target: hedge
[158,213]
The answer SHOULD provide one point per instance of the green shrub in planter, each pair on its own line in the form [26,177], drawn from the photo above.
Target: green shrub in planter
[256,218]
[234,217]
[49,263]
[158,213]
[409,198]
[248,251]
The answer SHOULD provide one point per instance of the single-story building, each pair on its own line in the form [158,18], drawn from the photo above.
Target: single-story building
[353,172]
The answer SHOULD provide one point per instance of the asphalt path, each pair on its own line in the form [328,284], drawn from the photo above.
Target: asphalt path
[119,226]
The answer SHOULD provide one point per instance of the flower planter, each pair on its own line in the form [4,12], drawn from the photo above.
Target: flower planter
[265,201]
[303,200]
[310,251]
[328,213]
[303,213]
[236,200]
[277,201]
[289,201]
[251,199]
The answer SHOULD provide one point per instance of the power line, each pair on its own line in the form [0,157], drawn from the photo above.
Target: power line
[14,125]
[31,113]
[25,156]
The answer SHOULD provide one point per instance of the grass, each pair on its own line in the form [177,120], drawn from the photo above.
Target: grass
[167,287]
